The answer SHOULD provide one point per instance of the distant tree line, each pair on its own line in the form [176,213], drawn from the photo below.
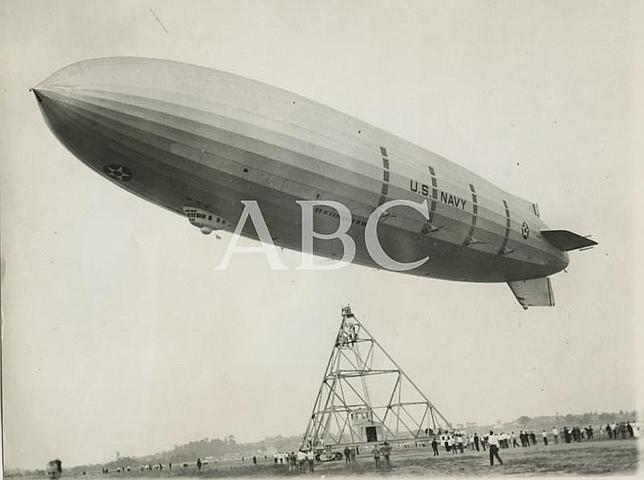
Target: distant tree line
[570,419]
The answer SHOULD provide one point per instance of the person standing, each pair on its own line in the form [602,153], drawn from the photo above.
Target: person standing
[566,434]
[555,435]
[514,440]
[301,460]
[386,452]
[476,441]
[452,444]
[435,446]
[493,444]
[376,456]
[459,442]
[347,455]
[198,463]
[310,458]
[544,434]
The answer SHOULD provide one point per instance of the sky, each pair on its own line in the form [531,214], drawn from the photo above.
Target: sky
[120,335]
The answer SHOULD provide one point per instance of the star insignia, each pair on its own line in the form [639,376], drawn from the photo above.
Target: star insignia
[525,230]
[118,172]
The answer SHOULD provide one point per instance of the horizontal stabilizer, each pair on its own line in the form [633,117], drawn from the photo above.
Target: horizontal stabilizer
[566,240]
[536,292]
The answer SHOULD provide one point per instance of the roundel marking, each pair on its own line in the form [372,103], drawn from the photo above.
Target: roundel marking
[525,230]
[118,172]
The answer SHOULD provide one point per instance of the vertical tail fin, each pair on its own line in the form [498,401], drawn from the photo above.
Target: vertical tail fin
[536,292]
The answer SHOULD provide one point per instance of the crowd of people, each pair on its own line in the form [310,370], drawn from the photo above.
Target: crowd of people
[300,461]
[622,430]
[303,461]
[453,442]
[457,441]
[383,451]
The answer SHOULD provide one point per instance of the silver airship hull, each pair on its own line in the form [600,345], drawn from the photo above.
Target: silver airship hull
[185,136]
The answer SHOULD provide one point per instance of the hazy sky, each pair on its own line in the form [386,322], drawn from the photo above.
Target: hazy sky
[119,334]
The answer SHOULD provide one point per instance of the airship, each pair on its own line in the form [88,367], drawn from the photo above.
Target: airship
[203,143]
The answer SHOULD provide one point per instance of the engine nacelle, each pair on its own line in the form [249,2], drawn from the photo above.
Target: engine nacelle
[205,221]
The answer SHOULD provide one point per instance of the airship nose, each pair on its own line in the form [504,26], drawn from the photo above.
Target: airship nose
[53,107]
[37,94]
[46,104]
[104,118]
[43,96]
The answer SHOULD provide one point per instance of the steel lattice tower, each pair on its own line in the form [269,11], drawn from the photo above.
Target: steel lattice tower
[366,397]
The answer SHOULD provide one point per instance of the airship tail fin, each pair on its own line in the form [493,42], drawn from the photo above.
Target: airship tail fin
[536,292]
[566,240]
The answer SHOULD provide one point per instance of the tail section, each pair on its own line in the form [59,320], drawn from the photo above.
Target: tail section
[566,240]
[536,292]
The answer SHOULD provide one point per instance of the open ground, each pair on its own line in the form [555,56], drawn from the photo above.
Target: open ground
[603,457]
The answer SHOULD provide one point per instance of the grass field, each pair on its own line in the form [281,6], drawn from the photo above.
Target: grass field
[592,458]
[587,458]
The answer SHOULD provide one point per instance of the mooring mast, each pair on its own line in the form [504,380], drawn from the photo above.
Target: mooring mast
[366,397]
